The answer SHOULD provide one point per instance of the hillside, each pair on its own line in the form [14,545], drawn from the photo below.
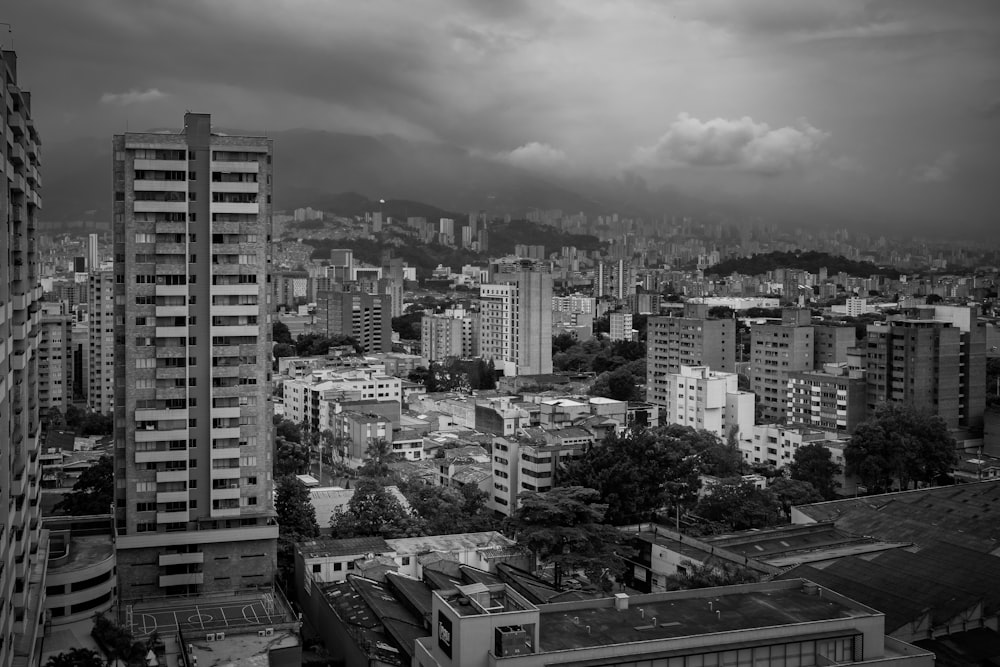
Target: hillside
[811,261]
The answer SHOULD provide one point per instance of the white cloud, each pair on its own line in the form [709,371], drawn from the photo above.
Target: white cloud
[738,144]
[132,97]
[536,156]
[938,171]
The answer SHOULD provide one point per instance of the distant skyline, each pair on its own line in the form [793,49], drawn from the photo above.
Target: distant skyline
[886,111]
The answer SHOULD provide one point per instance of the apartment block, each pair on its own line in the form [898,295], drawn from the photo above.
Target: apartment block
[620,326]
[193,436]
[24,543]
[934,359]
[775,444]
[520,465]
[516,319]
[454,333]
[100,382]
[776,350]
[346,310]
[694,339]
[834,398]
[709,401]
[831,343]
[55,361]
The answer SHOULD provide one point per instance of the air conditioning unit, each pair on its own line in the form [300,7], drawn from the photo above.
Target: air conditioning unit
[260,633]
[210,637]
[219,636]
[269,632]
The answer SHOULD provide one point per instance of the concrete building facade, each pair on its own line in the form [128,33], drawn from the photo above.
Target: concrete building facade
[516,319]
[193,491]
[833,399]
[706,400]
[346,310]
[100,382]
[55,361]
[24,543]
[776,350]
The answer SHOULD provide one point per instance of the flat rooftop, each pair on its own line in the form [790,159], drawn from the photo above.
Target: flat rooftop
[687,613]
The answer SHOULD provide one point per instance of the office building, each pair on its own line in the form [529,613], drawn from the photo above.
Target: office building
[24,544]
[834,398]
[775,351]
[709,401]
[346,310]
[934,359]
[100,360]
[781,624]
[694,339]
[516,319]
[193,491]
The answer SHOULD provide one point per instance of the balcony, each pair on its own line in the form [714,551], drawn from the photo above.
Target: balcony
[162,456]
[171,290]
[163,476]
[167,560]
[235,187]
[160,207]
[156,436]
[182,516]
[142,414]
[191,578]
[221,290]
[171,311]
[226,494]
[224,511]
[236,167]
[17,156]
[160,165]
[172,497]
[147,185]
[239,330]
[226,207]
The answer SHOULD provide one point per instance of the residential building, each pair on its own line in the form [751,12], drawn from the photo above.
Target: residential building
[346,310]
[93,252]
[775,351]
[831,344]
[55,360]
[100,382]
[833,399]
[703,399]
[620,326]
[775,444]
[516,319]
[310,398]
[934,359]
[453,333]
[694,339]
[193,499]
[24,543]
[525,464]
[574,303]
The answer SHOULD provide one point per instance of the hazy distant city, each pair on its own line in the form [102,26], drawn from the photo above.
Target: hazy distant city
[519,334]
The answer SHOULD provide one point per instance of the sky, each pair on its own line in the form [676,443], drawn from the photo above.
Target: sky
[886,110]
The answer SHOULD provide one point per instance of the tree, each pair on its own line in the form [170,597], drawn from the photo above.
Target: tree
[899,445]
[76,657]
[562,342]
[378,456]
[565,527]
[296,514]
[447,510]
[408,325]
[792,492]
[644,471]
[813,463]
[713,572]
[288,430]
[281,334]
[618,384]
[373,511]
[737,504]
[290,458]
[93,492]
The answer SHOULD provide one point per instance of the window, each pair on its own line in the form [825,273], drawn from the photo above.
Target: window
[317,567]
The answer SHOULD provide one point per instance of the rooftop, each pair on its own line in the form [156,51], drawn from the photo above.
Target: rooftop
[790,545]
[449,543]
[688,613]
[962,514]
[84,550]
[345,547]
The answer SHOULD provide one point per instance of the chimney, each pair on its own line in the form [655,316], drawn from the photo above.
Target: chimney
[621,601]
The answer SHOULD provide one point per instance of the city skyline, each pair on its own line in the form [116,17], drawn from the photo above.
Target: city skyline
[790,110]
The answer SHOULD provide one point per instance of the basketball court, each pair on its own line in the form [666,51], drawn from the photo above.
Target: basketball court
[205,615]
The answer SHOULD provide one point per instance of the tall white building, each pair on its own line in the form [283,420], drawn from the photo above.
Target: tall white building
[100,378]
[621,326]
[193,489]
[93,252]
[709,400]
[516,320]
[450,334]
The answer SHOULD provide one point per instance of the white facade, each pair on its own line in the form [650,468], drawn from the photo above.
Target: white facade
[516,322]
[707,400]
[775,444]
[621,326]
[100,380]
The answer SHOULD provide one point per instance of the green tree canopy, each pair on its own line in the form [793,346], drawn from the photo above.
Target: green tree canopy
[76,657]
[899,445]
[290,458]
[93,492]
[447,510]
[792,492]
[565,527]
[296,514]
[378,456]
[737,504]
[373,511]
[618,384]
[280,333]
[813,463]
[644,471]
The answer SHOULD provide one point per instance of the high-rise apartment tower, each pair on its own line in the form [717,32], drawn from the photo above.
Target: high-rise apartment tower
[193,498]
